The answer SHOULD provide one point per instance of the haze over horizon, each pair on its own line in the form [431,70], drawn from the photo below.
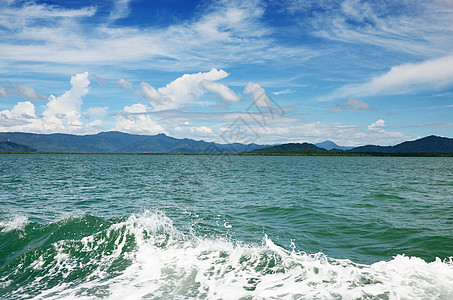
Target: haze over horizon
[263,72]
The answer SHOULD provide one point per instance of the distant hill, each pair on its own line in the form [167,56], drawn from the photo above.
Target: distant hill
[291,148]
[429,144]
[119,142]
[329,145]
[14,147]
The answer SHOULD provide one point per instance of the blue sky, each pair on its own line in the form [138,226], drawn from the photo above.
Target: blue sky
[354,72]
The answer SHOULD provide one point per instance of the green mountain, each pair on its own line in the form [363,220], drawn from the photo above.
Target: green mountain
[291,148]
[14,147]
[119,142]
[429,144]
[162,143]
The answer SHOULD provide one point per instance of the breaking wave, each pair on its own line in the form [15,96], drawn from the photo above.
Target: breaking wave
[145,256]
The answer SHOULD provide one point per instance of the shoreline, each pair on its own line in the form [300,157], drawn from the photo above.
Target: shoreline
[349,154]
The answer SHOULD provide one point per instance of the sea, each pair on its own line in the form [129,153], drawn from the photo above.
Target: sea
[225,227]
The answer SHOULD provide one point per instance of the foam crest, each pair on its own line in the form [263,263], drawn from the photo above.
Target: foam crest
[16,222]
[144,256]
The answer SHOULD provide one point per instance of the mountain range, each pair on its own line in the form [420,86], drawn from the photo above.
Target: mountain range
[291,148]
[119,142]
[429,144]
[6,146]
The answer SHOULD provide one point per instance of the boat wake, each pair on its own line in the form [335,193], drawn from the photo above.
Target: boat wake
[145,256]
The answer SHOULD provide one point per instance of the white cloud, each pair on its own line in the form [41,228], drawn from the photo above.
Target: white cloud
[223,91]
[125,84]
[136,108]
[345,135]
[357,104]
[221,34]
[259,95]
[135,120]
[26,92]
[120,10]
[4,92]
[420,28]
[20,118]
[378,125]
[351,105]
[16,15]
[61,114]
[283,92]
[431,75]
[201,131]
[150,93]
[24,109]
[184,90]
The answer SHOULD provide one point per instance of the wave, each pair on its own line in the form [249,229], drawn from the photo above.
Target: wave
[16,222]
[145,256]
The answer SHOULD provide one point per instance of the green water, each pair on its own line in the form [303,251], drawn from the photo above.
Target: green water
[89,225]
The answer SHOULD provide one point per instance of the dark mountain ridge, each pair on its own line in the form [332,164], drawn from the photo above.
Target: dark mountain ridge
[119,142]
[291,148]
[429,144]
[8,146]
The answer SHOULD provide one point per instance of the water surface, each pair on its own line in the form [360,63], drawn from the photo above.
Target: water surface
[113,226]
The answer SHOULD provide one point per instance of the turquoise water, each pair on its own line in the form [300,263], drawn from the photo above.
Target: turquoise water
[228,227]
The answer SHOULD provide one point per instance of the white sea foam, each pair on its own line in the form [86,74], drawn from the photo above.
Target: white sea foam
[165,264]
[16,222]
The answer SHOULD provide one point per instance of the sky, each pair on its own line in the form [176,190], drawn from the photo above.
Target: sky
[350,71]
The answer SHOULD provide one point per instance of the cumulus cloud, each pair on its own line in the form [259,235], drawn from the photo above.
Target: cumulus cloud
[201,131]
[378,125]
[150,93]
[4,92]
[20,118]
[351,105]
[136,108]
[185,89]
[125,84]
[61,114]
[27,92]
[431,75]
[225,93]
[134,119]
[260,97]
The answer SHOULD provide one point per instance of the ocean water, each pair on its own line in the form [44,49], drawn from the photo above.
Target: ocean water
[225,227]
